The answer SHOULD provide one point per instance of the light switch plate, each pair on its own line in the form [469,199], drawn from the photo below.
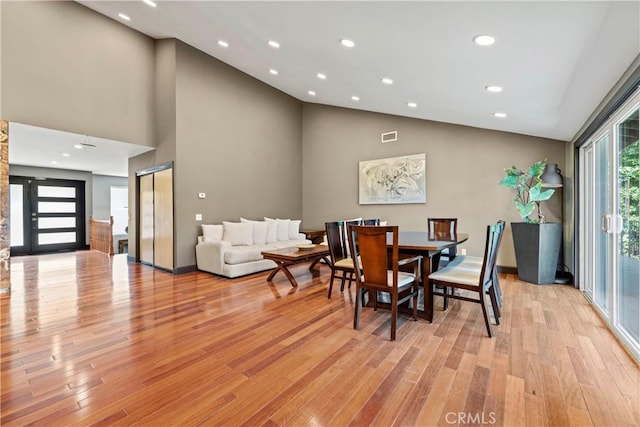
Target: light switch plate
[198,217]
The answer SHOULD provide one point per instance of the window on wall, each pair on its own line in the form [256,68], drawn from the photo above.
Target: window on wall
[120,209]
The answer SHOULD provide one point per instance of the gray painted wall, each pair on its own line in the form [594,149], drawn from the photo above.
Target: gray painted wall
[69,68]
[464,165]
[238,141]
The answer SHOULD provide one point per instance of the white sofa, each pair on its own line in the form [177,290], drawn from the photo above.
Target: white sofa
[234,249]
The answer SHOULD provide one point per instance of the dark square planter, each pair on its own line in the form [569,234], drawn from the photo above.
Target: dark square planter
[537,249]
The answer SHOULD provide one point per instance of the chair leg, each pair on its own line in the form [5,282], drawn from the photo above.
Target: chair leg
[496,286]
[428,294]
[356,314]
[486,315]
[333,275]
[494,304]
[415,303]
[445,303]
[343,278]
[394,316]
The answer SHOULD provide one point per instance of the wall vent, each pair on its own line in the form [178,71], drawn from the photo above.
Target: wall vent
[389,136]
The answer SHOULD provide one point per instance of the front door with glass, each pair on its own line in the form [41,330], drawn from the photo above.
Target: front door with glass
[47,215]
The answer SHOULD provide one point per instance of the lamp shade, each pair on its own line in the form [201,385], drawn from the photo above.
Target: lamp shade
[551,177]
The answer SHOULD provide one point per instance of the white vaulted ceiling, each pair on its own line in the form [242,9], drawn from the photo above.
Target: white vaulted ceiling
[555,60]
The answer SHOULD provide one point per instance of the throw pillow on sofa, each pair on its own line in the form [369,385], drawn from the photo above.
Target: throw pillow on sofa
[238,233]
[259,231]
[212,232]
[294,229]
[282,228]
[272,228]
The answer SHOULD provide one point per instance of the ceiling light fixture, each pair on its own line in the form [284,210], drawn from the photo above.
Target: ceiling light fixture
[500,115]
[66,155]
[123,16]
[387,81]
[53,162]
[347,43]
[484,40]
[274,72]
[150,3]
[355,98]
[223,43]
[274,44]
[322,76]
[412,104]
[312,93]
[494,89]
[78,146]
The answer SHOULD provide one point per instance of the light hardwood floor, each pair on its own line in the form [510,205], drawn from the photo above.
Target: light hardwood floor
[88,339]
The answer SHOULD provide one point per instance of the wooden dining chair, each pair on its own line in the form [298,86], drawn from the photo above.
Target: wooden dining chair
[477,280]
[372,260]
[476,262]
[340,260]
[447,226]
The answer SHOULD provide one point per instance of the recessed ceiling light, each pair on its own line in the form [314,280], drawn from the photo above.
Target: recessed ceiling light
[412,104]
[347,43]
[312,93]
[150,3]
[274,72]
[500,115]
[494,89]
[274,44]
[322,76]
[484,40]
[387,81]
[78,146]
[223,43]
[355,98]
[66,155]
[53,162]
[123,16]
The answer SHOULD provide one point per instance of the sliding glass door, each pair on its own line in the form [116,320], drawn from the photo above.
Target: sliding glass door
[609,223]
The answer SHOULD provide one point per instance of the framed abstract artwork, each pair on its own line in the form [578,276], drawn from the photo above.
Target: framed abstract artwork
[394,180]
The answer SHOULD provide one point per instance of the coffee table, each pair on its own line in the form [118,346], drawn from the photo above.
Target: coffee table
[286,257]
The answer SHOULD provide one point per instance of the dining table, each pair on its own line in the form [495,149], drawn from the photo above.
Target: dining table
[430,246]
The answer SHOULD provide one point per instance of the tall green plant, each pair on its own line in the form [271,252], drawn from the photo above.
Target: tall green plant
[529,193]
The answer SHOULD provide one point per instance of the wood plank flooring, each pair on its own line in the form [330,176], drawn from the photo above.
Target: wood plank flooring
[89,339]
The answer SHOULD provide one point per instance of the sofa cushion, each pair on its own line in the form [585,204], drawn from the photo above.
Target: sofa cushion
[242,254]
[238,233]
[259,229]
[212,232]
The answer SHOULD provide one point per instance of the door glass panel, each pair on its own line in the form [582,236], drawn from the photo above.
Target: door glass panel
[601,244]
[56,207]
[46,223]
[590,224]
[51,238]
[628,244]
[16,219]
[53,191]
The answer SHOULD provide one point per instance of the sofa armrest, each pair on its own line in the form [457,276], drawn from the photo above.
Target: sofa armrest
[210,256]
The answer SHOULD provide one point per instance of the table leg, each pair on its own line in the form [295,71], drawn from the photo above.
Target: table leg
[283,267]
[313,264]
